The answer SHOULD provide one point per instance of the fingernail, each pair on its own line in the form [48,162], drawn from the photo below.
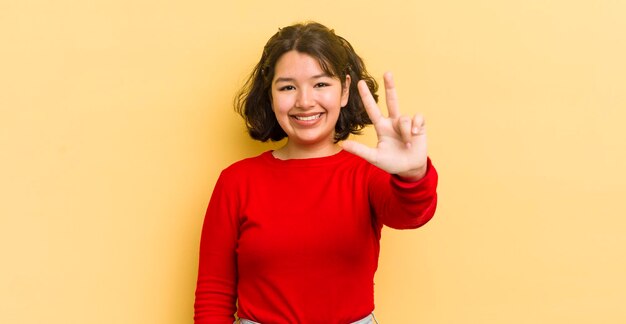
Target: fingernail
[414,130]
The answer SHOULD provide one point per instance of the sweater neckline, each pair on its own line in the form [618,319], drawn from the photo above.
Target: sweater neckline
[324,160]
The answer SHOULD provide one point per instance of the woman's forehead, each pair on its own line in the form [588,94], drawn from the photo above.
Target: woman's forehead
[294,63]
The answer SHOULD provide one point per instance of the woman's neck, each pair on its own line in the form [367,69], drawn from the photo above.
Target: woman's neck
[291,151]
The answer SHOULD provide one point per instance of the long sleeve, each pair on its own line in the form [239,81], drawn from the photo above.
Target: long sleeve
[216,290]
[400,204]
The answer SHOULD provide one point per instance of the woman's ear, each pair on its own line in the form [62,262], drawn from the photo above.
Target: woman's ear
[345,92]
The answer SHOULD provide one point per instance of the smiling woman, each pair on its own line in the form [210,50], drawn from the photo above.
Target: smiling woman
[293,235]
[307,102]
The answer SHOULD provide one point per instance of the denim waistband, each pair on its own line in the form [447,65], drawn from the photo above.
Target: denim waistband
[369,319]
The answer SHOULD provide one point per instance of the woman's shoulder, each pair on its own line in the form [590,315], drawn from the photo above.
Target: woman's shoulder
[248,163]
[247,167]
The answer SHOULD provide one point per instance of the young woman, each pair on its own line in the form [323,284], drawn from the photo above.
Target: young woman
[292,235]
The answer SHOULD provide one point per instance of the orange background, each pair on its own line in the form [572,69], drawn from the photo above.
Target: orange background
[116,118]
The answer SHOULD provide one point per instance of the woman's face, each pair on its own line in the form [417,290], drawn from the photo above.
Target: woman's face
[306,100]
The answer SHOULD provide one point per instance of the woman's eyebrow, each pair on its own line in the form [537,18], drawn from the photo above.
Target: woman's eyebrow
[323,75]
[285,79]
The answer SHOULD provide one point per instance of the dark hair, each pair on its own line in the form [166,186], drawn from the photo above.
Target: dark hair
[336,58]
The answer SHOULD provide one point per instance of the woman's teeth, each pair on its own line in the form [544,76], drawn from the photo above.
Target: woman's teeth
[308,117]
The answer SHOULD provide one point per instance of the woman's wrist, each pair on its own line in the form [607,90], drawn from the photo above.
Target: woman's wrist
[413,175]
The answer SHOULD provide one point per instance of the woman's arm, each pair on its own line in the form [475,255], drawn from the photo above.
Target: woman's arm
[216,290]
[402,204]
[402,187]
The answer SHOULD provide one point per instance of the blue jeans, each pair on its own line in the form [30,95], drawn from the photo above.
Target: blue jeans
[369,319]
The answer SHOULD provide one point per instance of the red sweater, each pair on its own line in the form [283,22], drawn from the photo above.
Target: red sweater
[297,241]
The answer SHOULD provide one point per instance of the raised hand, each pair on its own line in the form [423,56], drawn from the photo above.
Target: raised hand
[401,147]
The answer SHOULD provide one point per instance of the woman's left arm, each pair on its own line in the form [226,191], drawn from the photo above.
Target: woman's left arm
[406,195]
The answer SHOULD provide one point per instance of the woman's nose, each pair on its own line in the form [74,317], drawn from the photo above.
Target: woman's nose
[305,99]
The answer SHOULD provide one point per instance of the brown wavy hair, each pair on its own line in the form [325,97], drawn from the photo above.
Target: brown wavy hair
[336,57]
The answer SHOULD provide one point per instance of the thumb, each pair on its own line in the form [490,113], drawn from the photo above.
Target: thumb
[358,149]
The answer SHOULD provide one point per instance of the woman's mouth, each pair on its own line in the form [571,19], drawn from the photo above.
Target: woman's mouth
[308,118]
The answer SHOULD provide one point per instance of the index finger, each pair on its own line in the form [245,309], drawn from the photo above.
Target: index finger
[391,97]
[368,101]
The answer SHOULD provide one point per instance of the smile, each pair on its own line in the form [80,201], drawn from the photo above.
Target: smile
[308,118]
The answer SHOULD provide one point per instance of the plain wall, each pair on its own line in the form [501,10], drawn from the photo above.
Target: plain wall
[116,118]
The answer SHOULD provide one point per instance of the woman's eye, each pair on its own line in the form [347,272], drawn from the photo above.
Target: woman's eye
[321,85]
[289,87]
